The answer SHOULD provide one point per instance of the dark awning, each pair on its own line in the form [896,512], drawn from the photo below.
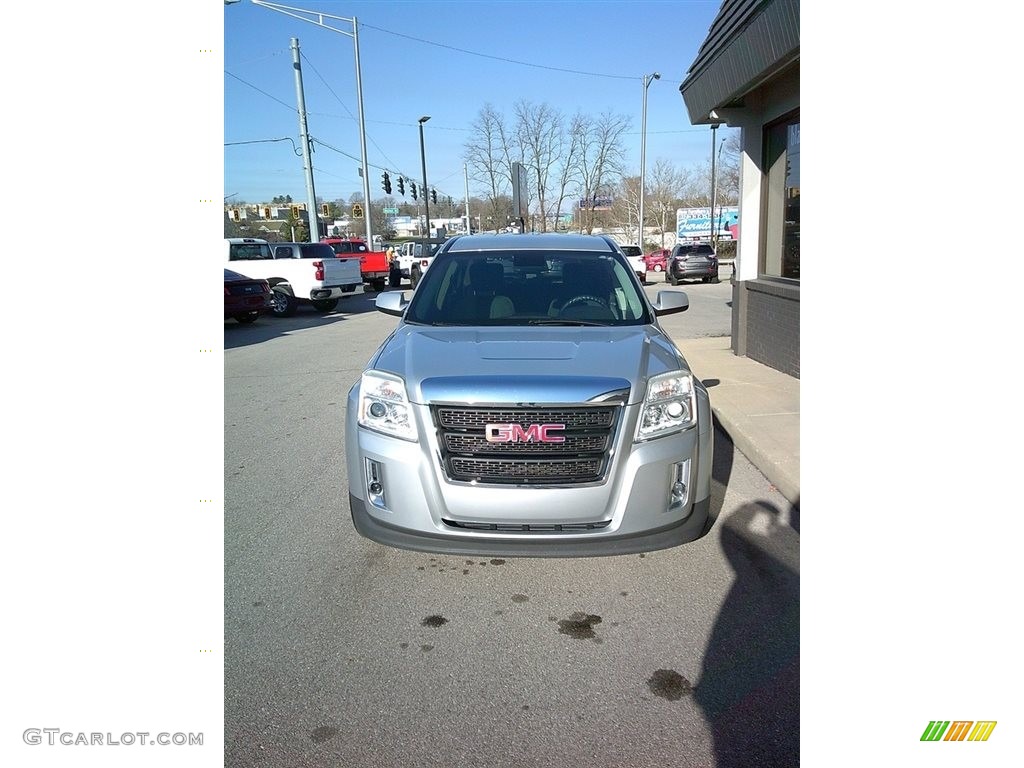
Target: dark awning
[749,41]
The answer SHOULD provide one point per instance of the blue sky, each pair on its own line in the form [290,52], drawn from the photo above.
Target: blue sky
[404,78]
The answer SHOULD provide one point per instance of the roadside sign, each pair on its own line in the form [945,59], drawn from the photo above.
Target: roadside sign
[357,211]
[391,211]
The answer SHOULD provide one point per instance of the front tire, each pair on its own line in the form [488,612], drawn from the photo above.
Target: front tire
[414,277]
[284,303]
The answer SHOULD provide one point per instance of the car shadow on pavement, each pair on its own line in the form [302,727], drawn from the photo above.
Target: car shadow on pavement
[270,327]
[749,688]
[721,469]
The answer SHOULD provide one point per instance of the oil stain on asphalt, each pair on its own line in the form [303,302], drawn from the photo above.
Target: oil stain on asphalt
[579,626]
[669,684]
[434,621]
[323,733]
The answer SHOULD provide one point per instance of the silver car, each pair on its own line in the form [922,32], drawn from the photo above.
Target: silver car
[528,403]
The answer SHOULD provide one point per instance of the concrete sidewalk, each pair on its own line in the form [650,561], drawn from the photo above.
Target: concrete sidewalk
[757,406]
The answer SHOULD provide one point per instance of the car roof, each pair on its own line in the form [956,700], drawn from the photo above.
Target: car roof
[537,241]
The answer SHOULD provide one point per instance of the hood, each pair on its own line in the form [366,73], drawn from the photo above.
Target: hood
[526,364]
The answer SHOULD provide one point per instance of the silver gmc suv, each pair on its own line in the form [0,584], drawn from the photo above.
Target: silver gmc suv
[529,404]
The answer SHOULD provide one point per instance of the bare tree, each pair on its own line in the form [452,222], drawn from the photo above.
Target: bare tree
[487,155]
[666,185]
[539,134]
[626,208]
[568,152]
[729,171]
[601,158]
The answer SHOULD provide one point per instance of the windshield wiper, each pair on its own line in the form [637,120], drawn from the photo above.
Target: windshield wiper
[567,322]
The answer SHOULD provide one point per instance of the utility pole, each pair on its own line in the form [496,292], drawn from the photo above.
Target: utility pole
[469,224]
[314,230]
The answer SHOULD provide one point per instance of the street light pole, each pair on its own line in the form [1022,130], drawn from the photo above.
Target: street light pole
[716,225]
[354,34]
[643,150]
[711,221]
[423,161]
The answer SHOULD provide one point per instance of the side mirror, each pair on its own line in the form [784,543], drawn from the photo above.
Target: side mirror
[392,303]
[669,302]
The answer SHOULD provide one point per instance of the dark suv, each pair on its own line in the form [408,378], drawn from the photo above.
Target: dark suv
[692,260]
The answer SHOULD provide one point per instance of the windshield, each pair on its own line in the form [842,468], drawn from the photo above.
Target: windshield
[528,288]
[631,250]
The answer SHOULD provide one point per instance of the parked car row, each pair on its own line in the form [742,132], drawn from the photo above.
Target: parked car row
[686,261]
[247,297]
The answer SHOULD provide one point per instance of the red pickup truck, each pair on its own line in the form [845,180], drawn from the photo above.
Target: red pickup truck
[372,264]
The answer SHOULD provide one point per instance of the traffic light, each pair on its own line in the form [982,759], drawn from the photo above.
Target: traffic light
[401,186]
[235,215]
[326,209]
[295,211]
[412,190]
[433,196]
[386,184]
[266,212]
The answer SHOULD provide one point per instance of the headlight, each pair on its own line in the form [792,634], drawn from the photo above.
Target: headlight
[384,406]
[670,405]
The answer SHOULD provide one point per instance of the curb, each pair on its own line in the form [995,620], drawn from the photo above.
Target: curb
[761,459]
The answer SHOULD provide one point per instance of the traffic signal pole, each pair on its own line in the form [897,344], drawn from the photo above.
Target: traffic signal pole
[307,160]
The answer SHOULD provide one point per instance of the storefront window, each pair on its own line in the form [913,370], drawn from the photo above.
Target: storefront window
[782,246]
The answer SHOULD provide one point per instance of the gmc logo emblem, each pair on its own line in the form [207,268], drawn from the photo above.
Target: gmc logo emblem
[514,433]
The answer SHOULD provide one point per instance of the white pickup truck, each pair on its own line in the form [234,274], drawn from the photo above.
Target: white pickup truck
[296,272]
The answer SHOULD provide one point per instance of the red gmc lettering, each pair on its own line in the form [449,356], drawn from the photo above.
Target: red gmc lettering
[514,433]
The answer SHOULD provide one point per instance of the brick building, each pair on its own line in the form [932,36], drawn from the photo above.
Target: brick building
[747,75]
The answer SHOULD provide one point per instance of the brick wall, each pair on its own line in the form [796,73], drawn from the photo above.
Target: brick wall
[773,324]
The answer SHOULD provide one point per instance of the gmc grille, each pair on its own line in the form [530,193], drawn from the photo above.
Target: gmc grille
[582,458]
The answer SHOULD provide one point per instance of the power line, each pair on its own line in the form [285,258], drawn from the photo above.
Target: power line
[499,58]
[287,106]
[343,104]
[295,149]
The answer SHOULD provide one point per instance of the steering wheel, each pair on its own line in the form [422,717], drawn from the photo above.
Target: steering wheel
[581,299]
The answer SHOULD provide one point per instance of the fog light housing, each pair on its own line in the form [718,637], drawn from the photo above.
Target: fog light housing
[375,483]
[678,491]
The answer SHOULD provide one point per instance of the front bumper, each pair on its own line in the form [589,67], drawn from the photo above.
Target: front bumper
[630,510]
[693,527]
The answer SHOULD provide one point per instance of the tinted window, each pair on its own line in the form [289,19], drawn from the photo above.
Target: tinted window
[249,252]
[347,247]
[316,251]
[691,250]
[528,288]
[631,250]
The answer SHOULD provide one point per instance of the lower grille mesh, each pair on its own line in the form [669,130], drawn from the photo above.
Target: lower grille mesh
[532,527]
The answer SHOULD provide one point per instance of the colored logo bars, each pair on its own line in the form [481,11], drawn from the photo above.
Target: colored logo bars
[958,730]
